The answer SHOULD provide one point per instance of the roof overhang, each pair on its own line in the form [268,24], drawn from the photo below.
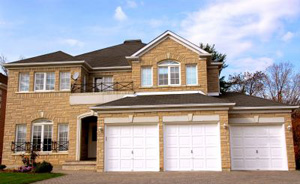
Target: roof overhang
[163,36]
[107,108]
[266,108]
[50,63]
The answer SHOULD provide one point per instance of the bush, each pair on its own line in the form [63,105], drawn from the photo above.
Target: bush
[44,167]
[25,169]
[2,167]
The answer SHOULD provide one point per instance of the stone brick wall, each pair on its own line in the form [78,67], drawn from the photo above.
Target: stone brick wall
[170,50]
[213,80]
[288,134]
[225,154]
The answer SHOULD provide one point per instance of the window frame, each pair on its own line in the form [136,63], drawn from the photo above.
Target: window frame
[68,138]
[60,78]
[17,136]
[151,77]
[20,75]
[197,79]
[44,82]
[42,123]
[169,66]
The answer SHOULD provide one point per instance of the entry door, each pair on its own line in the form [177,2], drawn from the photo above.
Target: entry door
[192,147]
[92,142]
[258,148]
[104,83]
[132,148]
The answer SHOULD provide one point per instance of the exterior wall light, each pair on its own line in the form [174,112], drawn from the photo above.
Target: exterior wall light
[289,127]
[225,126]
[100,129]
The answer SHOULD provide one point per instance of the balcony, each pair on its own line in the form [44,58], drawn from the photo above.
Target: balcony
[30,146]
[98,93]
[102,87]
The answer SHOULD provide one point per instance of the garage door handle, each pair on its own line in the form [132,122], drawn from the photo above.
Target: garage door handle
[132,152]
[192,151]
[256,151]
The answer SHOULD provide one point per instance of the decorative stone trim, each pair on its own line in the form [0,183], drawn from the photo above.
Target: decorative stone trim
[131,119]
[256,119]
[191,118]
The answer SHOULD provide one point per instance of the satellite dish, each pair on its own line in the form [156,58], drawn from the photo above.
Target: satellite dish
[75,76]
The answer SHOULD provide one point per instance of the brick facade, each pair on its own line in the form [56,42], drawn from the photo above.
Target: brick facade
[3,93]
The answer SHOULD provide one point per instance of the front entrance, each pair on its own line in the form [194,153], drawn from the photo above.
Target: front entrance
[88,138]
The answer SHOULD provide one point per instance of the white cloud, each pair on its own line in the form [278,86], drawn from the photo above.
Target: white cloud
[287,36]
[119,14]
[234,25]
[131,4]
[72,42]
[248,64]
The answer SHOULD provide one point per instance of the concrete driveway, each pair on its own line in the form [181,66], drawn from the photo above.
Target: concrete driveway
[233,177]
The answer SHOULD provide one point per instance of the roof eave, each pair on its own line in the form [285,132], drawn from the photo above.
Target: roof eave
[12,65]
[265,108]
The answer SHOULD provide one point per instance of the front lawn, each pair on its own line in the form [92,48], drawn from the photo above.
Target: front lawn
[24,178]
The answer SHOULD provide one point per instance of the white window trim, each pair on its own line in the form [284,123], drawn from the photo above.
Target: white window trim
[45,80]
[42,133]
[145,86]
[60,81]
[20,74]
[16,133]
[58,128]
[169,74]
[197,79]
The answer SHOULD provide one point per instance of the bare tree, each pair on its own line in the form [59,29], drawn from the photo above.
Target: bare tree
[3,60]
[248,83]
[282,83]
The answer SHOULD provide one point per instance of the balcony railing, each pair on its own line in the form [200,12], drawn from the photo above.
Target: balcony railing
[102,87]
[30,146]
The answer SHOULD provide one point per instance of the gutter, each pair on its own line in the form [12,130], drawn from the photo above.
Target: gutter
[161,106]
[265,108]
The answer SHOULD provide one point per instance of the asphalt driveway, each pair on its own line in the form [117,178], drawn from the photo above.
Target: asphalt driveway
[233,177]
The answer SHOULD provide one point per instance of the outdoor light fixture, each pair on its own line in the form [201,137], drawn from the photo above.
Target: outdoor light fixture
[225,126]
[289,127]
[100,129]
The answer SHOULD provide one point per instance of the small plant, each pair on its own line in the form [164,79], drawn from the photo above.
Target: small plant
[25,169]
[44,167]
[2,167]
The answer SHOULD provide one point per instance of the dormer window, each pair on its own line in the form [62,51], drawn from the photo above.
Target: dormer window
[168,73]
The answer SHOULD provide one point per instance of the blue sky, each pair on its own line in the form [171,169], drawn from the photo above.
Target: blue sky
[253,33]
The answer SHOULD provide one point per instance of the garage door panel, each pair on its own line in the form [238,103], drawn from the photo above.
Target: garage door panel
[189,147]
[132,148]
[258,148]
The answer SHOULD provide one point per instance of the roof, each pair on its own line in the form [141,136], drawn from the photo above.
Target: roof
[51,57]
[112,56]
[242,100]
[171,99]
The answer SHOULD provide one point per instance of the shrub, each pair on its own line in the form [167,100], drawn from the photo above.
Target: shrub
[2,167]
[44,167]
[25,169]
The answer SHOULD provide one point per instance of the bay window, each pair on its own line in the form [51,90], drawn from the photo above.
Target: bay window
[146,76]
[65,81]
[44,81]
[20,138]
[191,75]
[24,82]
[168,73]
[42,135]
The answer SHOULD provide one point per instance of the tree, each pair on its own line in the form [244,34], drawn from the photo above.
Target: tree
[248,83]
[217,57]
[3,60]
[282,83]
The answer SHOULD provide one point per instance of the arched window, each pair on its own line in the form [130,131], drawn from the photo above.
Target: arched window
[42,130]
[168,73]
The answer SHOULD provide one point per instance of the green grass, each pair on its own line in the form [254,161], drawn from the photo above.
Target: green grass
[24,178]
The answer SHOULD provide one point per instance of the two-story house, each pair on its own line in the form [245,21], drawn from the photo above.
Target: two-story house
[141,107]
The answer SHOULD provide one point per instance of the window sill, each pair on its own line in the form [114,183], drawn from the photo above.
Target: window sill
[42,153]
[36,92]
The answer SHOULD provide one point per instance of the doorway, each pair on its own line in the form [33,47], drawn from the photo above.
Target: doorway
[88,138]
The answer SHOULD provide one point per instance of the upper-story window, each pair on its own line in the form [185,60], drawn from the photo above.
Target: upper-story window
[24,82]
[168,73]
[191,74]
[146,76]
[104,83]
[65,81]
[44,81]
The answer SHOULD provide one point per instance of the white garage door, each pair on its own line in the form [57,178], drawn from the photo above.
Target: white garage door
[258,148]
[132,148]
[192,147]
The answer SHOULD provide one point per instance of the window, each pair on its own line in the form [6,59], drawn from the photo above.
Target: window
[191,75]
[84,83]
[104,83]
[146,75]
[65,80]
[44,81]
[168,73]
[24,82]
[63,137]
[20,138]
[42,135]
